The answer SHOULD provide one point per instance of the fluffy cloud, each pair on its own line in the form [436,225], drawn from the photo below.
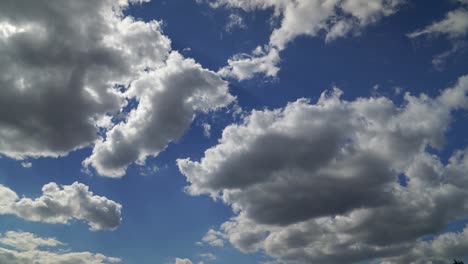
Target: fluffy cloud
[69,70]
[333,18]
[168,100]
[60,65]
[24,249]
[61,204]
[318,183]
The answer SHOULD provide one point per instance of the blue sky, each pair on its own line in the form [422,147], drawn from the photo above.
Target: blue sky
[144,204]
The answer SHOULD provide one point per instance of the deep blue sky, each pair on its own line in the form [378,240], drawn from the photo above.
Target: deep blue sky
[160,221]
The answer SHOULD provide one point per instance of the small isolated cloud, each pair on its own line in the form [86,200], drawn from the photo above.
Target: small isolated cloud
[61,204]
[24,247]
[207,256]
[206,129]
[26,164]
[235,21]
[183,261]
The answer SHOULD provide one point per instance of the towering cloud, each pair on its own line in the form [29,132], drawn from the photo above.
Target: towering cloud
[318,182]
[61,204]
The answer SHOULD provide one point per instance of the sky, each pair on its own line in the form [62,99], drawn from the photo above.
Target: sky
[233,131]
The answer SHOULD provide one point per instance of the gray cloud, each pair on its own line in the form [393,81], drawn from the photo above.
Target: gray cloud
[26,249]
[61,204]
[60,63]
[317,183]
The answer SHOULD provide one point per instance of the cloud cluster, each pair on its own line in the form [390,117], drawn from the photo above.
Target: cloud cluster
[71,71]
[25,248]
[61,204]
[332,18]
[318,182]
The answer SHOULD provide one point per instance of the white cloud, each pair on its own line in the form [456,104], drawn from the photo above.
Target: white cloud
[333,18]
[214,238]
[182,261]
[206,129]
[61,204]
[454,26]
[25,251]
[235,21]
[26,164]
[207,256]
[317,182]
[168,100]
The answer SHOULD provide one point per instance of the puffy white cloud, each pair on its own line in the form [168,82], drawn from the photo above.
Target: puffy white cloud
[333,18]
[25,251]
[61,204]
[317,182]
[168,99]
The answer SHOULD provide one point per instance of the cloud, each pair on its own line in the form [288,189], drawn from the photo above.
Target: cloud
[207,256]
[26,164]
[331,18]
[74,72]
[318,182]
[23,249]
[168,100]
[454,26]
[61,204]
[235,21]
[436,251]
[182,261]
[214,238]
[62,63]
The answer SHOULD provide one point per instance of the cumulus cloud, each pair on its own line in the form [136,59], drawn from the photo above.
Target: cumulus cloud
[69,70]
[168,99]
[61,204]
[60,65]
[318,182]
[331,18]
[26,247]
